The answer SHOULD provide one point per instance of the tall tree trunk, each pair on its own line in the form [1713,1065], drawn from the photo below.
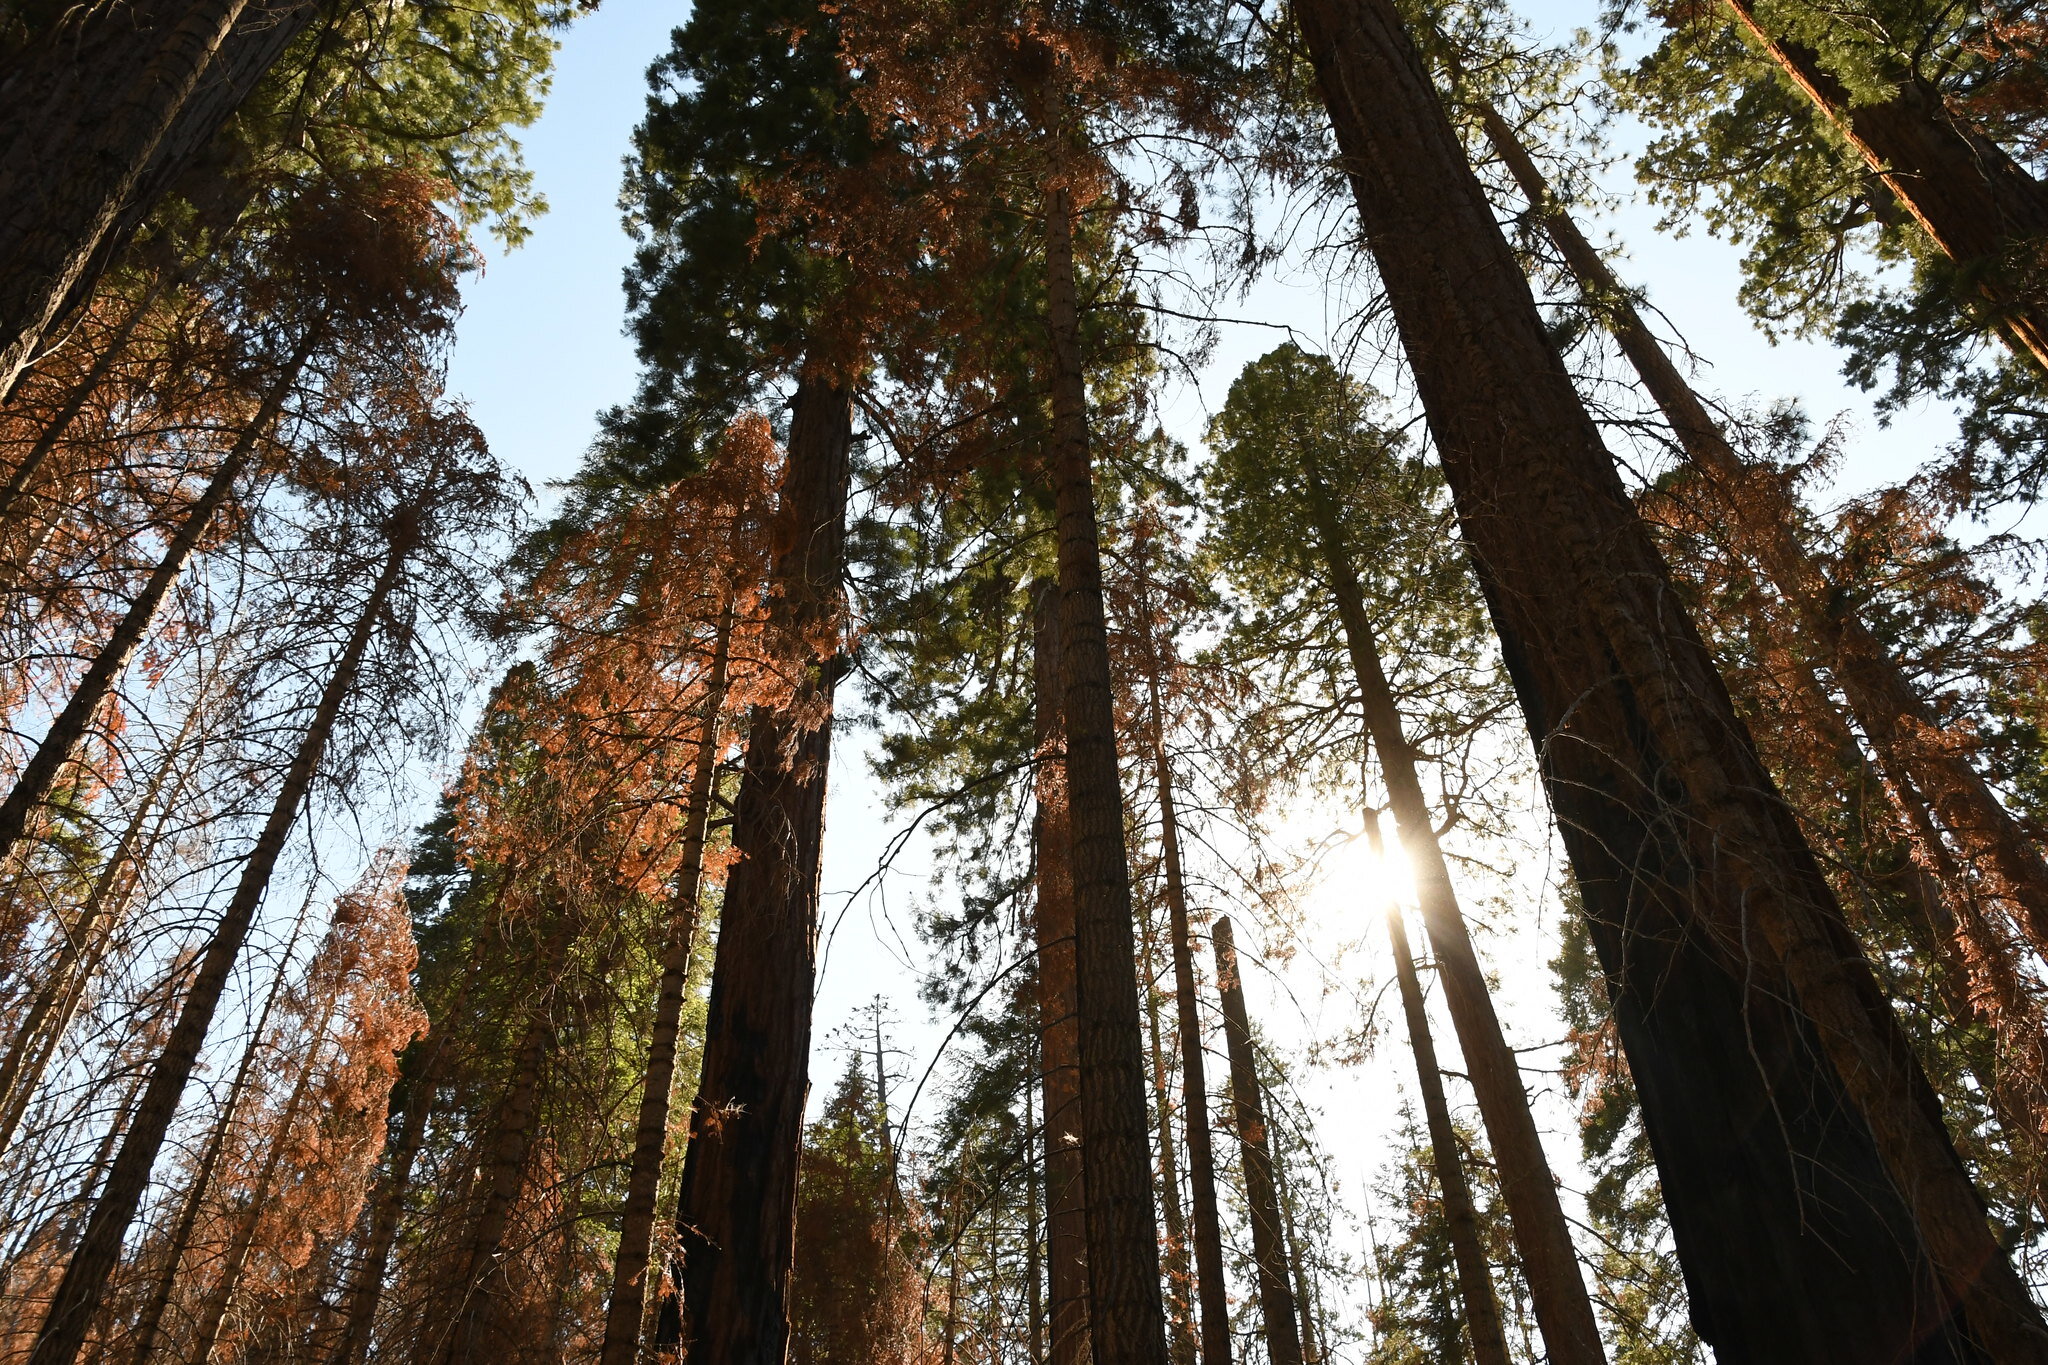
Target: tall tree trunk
[1208,1227]
[1126,1319]
[1979,206]
[1034,1230]
[736,1210]
[99,116]
[61,740]
[1819,1209]
[151,1322]
[243,1240]
[1307,1297]
[1255,1157]
[1181,1344]
[1475,1281]
[78,1295]
[1557,1289]
[1059,1018]
[366,1286]
[1903,729]
[627,1312]
[475,1315]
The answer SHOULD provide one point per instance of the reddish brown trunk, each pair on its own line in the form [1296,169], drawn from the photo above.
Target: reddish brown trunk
[737,1207]
[1818,1207]
[1059,1019]
[625,1316]
[1475,1280]
[1979,206]
[1126,1319]
[71,1312]
[1557,1290]
[61,740]
[1255,1157]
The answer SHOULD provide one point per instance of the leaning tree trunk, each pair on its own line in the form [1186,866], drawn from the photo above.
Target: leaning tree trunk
[151,1322]
[61,740]
[1208,1227]
[625,1316]
[1059,1019]
[1818,1207]
[1255,1157]
[737,1206]
[99,116]
[1557,1289]
[1461,1217]
[85,1278]
[1903,729]
[1980,207]
[1126,1319]
[243,1240]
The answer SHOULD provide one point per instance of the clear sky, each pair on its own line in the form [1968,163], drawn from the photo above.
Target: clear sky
[540,352]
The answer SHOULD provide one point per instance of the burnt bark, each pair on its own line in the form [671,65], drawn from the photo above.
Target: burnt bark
[70,1316]
[1819,1209]
[1255,1157]
[1126,1320]
[1059,1019]
[626,1314]
[97,119]
[737,1207]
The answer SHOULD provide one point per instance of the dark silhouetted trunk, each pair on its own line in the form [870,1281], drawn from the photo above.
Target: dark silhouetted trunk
[98,117]
[1980,207]
[1903,729]
[1255,1158]
[1059,1018]
[627,1312]
[78,1295]
[1126,1320]
[61,740]
[1557,1290]
[736,1210]
[1181,1345]
[1461,1217]
[1034,1232]
[1818,1208]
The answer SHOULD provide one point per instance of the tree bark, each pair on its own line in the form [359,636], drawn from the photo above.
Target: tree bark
[1181,1344]
[85,1277]
[1208,1228]
[1034,1230]
[1557,1289]
[61,740]
[1819,1209]
[1902,728]
[1255,1157]
[1059,1019]
[1979,206]
[737,1207]
[97,119]
[627,1313]
[1475,1280]
[1126,1319]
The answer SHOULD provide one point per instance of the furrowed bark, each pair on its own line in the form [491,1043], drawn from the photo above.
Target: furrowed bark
[97,119]
[1475,1280]
[78,1295]
[61,740]
[1255,1157]
[1979,206]
[1818,1208]
[1059,1019]
[1902,728]
[737,1207]
[626,1315]
[1557,1289]
[1126,1319]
